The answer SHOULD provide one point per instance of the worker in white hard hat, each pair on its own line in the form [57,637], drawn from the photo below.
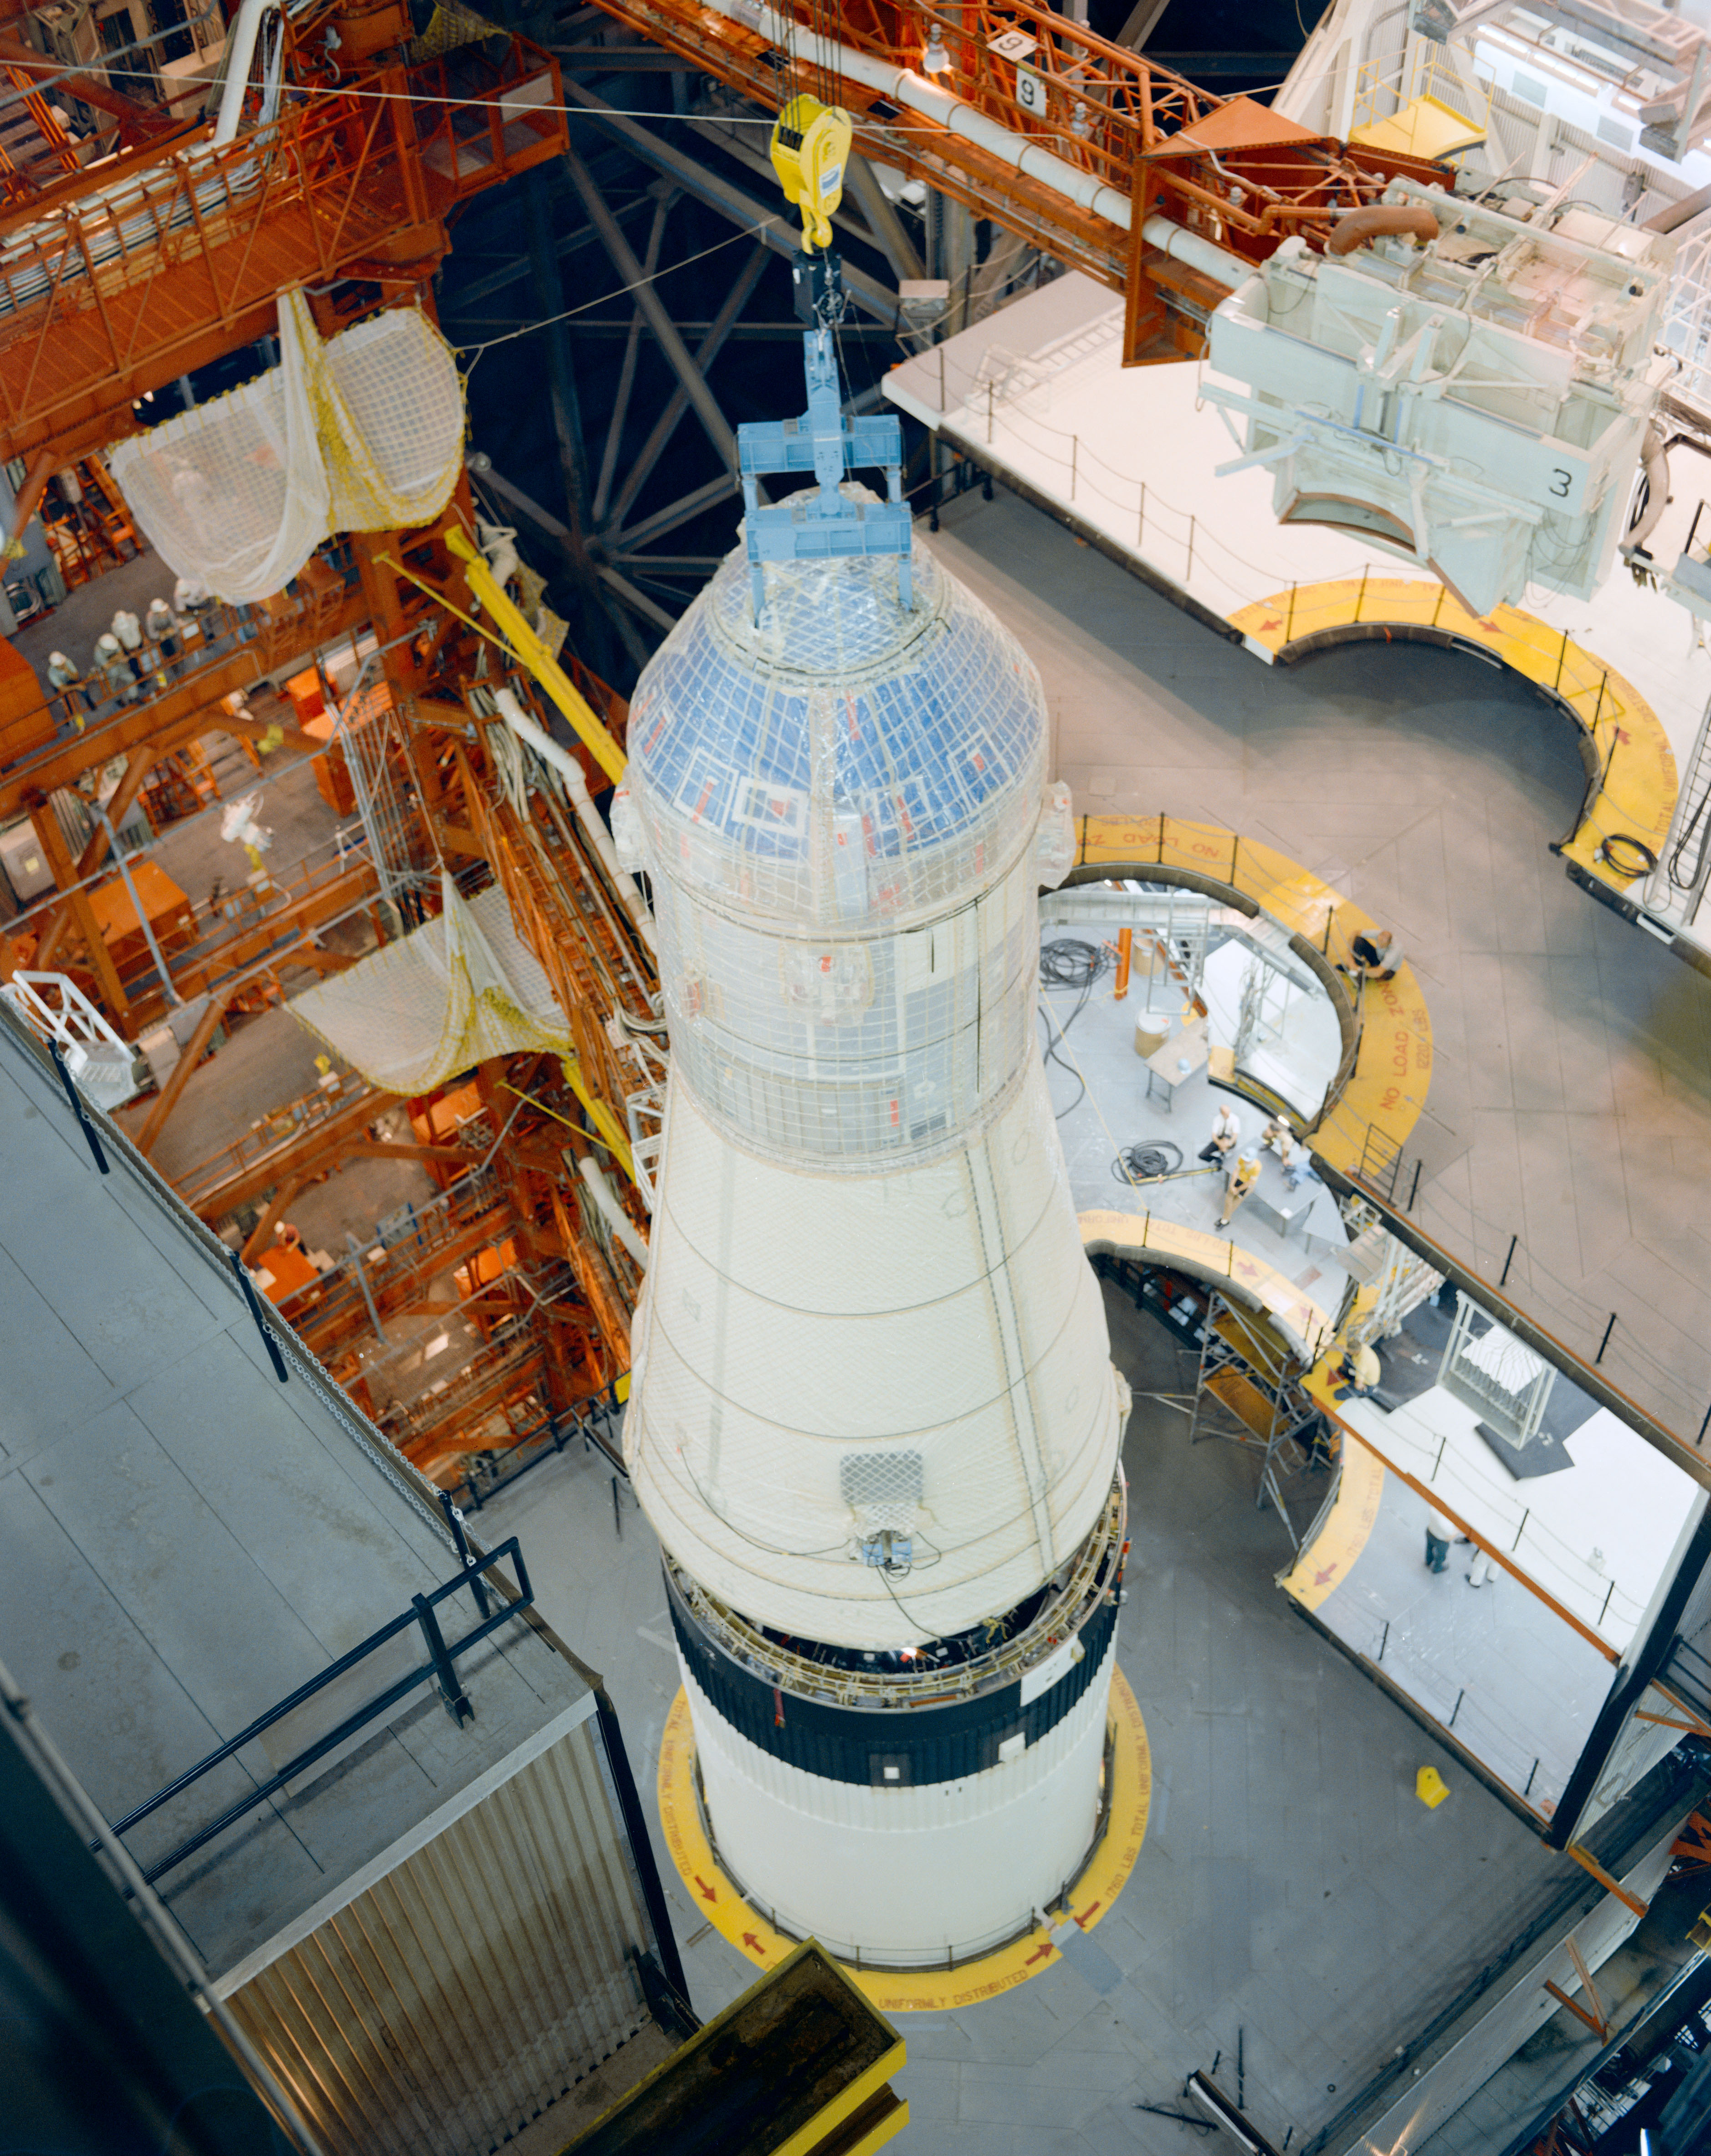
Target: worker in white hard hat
[1237,1183]
[127,632]
[111,664]
[161,625]
[67,683]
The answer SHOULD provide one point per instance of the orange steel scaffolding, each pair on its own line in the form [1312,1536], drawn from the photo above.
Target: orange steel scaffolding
[1227,169]
[115,281]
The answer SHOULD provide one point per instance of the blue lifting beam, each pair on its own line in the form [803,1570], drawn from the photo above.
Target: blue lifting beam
[823,525]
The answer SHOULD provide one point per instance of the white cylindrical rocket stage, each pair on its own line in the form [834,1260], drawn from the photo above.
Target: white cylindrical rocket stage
[873,1414]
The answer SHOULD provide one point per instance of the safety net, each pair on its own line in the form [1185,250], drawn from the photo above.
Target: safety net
[364,433]
[449,994]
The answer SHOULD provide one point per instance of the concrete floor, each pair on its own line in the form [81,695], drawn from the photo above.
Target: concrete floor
[1290,1887]
[1116,1110]
[1570,1102]
[1521,1687]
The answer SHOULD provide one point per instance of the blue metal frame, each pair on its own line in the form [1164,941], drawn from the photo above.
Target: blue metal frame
[824,526]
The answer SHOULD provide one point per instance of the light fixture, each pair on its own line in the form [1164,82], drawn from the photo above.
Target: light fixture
[935,60]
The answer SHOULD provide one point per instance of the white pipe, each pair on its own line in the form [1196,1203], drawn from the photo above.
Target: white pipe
[616,1217]
[1203,254]
[587,815]
[240,52]
[923,96]
[1655,460]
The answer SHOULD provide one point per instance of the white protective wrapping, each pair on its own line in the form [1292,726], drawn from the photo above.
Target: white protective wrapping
[363,433]
[867,1311]
[942,1316]
[449,994]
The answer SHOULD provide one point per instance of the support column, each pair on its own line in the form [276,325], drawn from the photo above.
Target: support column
[58,856]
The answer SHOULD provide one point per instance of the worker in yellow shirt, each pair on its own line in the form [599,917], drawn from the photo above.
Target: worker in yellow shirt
[1360,1371]
[1237,1183]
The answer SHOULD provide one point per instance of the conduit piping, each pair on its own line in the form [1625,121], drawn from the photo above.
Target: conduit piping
[1206,255]
[620,1222]
[240,54]
[581,803]
[1381,221]
[905,87]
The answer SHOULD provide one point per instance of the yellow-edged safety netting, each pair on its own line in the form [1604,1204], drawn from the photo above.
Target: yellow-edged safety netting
[448,995]
[364,433]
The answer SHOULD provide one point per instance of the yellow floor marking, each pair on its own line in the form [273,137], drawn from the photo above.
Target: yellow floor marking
[1382,1101]
[1637,792]
[1145,1236]
[1326,1561]
[927,1990]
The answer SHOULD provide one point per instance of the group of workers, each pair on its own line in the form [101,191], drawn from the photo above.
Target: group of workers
[1241,1168]
[135,656]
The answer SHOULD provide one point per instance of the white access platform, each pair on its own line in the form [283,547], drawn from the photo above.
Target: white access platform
[1130,458]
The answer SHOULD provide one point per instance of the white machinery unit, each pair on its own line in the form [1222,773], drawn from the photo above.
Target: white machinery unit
[1477,403]
[873,1416]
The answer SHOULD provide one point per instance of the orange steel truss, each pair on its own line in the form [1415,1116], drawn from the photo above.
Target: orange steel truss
[1111,113]
[117,281]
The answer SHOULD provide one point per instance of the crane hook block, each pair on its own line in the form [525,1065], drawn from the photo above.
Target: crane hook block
[810,151]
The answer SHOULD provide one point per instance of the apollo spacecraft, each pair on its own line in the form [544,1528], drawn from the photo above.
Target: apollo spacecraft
[873,1417]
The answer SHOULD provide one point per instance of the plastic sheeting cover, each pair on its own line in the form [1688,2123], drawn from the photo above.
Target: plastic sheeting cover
[449,994]
[363,433]
[842,759]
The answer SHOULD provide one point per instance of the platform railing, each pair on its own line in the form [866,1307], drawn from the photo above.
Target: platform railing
[440,1669]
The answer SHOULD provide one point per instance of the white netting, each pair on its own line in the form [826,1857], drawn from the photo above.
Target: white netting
[817,1356]
[842,763]
[363,433]
[449,995]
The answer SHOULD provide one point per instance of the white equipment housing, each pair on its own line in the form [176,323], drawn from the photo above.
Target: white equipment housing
[1477,405]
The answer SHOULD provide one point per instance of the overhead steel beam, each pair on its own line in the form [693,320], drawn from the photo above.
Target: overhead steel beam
[677,352]
[781,233]
[627,371]
[666,424]
[688,505]
[483,288]
[562,380]
[639,600]
[863,182]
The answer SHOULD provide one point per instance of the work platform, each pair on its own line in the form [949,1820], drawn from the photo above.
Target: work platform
[1130,459]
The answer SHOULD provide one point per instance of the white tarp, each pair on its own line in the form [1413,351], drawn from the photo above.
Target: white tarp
[363,433]
[449,994]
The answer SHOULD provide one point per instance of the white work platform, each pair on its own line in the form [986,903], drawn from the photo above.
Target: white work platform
[1129,457]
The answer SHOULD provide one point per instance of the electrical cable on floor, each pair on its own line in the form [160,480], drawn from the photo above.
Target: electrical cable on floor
[1147,1160]
[1069,961]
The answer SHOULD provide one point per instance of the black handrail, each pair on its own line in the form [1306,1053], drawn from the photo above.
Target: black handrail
[548,1438]
[439,1667]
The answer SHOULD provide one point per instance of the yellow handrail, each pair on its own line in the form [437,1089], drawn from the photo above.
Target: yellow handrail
[536,656]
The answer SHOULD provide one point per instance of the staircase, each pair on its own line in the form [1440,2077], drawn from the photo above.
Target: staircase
[34,149]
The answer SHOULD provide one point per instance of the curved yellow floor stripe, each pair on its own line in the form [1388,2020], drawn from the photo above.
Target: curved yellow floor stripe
[1322,1566]
[1305,1322]
[1376,1111]
[1635,796]
[913,1991]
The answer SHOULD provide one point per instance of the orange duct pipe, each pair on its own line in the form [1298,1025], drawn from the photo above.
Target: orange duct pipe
[1361,227]
[1125,947]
